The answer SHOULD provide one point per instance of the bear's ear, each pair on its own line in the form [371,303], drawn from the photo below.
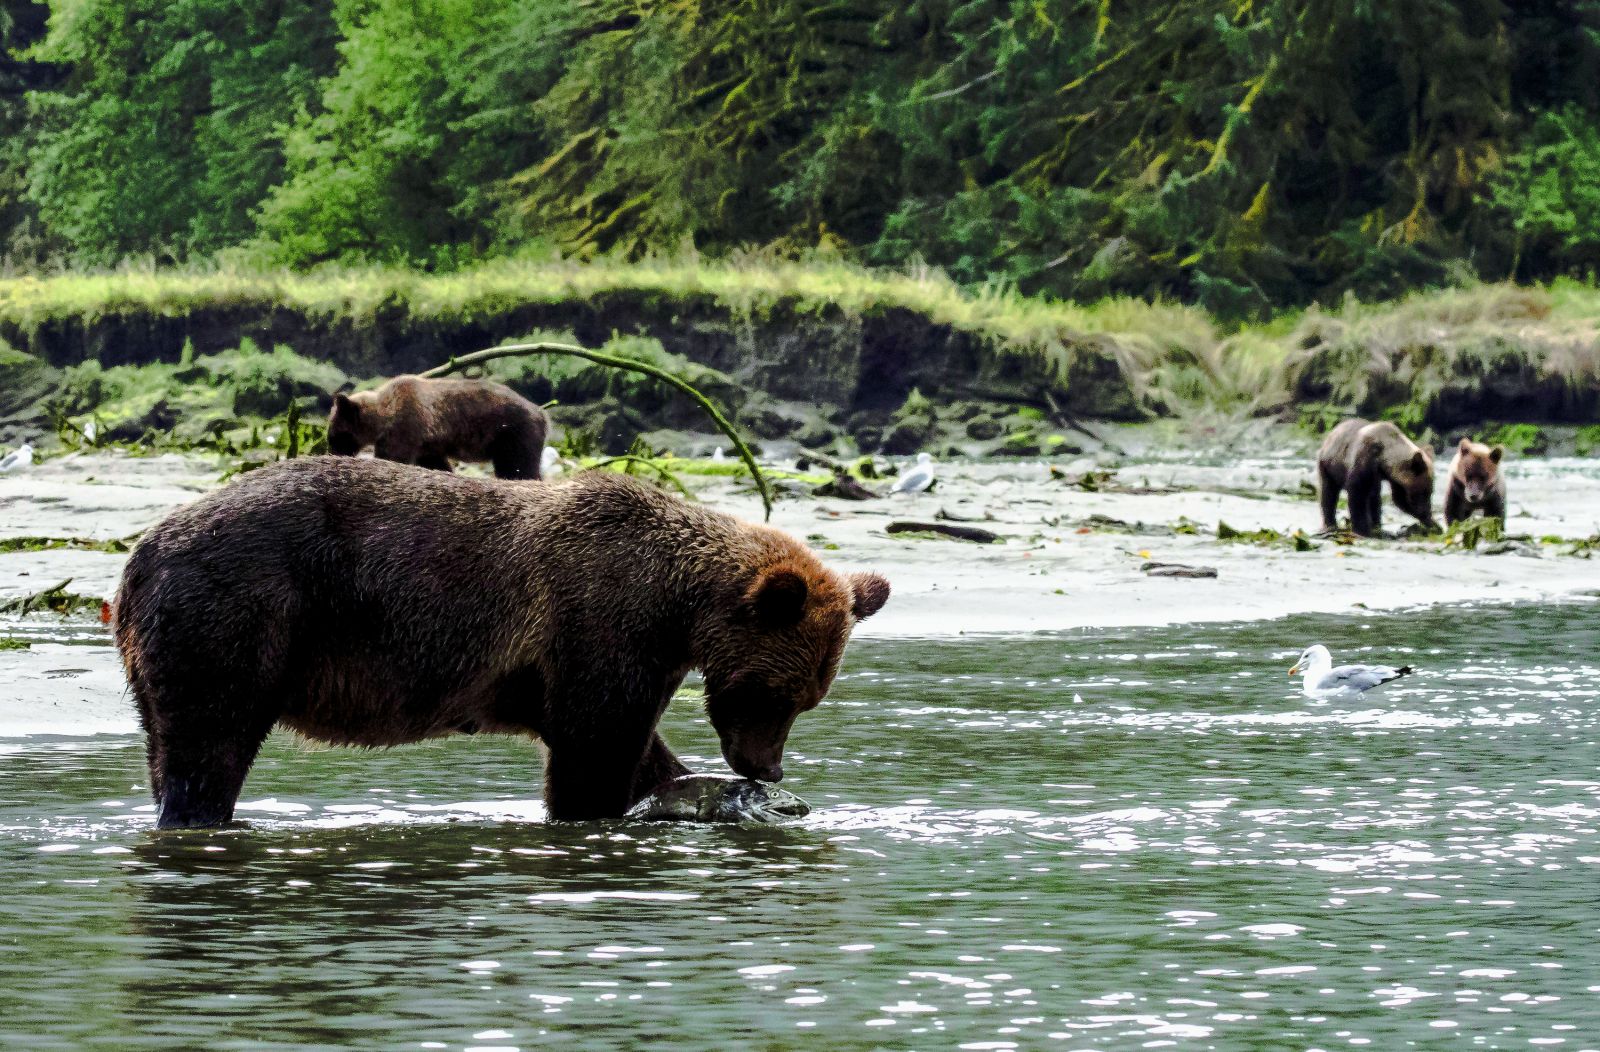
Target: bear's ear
[1466,444]
[1419,461]
[346,406]
[1496,453]
[870,591]
[780,598]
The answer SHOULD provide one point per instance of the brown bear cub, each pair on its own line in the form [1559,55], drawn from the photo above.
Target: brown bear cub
[361,603]
[1475,483]
[1358,456]
[427,422]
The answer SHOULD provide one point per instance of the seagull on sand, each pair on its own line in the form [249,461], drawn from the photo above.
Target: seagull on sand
[17,459]
[1322,681]
[917,479]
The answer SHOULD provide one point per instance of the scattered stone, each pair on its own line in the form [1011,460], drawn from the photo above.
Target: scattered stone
[984,428]
[843,487]
[817,433]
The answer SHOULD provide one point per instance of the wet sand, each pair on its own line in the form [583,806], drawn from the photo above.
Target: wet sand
[1069,558]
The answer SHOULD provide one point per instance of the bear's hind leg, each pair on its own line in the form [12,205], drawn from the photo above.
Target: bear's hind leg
[1365,494]
[198,771]
[434,462]
[516,455]
[1329,493]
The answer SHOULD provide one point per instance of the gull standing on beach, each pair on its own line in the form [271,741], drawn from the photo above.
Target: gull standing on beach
[17,459]
[917,479]
[1322,681]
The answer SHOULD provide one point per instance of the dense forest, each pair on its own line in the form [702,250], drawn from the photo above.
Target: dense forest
[1242,155]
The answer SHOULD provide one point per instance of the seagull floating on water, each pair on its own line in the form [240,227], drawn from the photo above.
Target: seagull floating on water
[917,479]
[17,459]
[548,460]
[1322,681]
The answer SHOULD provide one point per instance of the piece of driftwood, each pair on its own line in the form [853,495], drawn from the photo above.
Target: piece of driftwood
[945,515]
[844,487]
[1177,570]
[960,533]
[517,350]
[807,457]
[23,603]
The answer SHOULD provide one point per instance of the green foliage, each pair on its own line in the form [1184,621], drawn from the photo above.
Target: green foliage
[1518,438]
[167,133]
[1587,440]
[427,112]
[1549,190]
[1235,155]
[22,24]
[240,399]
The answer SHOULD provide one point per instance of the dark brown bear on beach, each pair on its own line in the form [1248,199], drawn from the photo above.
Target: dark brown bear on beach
[1358,457]
[362,603]
[1476,483]
[428,422]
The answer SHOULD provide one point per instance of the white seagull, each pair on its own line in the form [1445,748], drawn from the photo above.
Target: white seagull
[718,456]
[17,459]
[548,461]
[917,479]
[1322,681]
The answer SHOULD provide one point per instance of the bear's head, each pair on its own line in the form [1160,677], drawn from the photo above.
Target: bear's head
[1411,479]
[351,426]
[772,653]
[1478,467]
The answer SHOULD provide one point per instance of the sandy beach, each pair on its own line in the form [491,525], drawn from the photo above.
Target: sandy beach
[1069,558]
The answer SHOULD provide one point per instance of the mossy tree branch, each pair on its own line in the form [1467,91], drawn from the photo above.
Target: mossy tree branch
[523,350]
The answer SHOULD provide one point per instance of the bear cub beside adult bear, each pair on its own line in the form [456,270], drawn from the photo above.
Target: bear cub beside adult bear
[1476,483]
[359,602]
[412,420]
[1358,457]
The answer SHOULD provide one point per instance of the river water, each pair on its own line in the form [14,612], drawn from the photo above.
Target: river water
[1136,839]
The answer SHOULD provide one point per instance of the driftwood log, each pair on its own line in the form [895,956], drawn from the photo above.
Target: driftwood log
[960,533]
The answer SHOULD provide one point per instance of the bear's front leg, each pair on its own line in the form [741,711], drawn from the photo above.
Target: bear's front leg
[603,777]
[658,767]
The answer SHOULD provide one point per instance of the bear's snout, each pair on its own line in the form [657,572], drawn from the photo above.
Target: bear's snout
[772,772]
[762,764]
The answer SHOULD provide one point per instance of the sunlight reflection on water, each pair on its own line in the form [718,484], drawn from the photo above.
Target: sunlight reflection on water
[1192,854]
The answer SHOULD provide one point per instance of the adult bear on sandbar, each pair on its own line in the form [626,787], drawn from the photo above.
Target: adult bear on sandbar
[361,603]
[1358,457]
[1476,483]
[411,420]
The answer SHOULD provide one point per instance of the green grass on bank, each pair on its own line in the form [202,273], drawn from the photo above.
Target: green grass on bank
[1367,357]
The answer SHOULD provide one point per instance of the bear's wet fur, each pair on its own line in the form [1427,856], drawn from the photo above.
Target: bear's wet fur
[1357,457]
[412,420]
[1476,483]
[361,602]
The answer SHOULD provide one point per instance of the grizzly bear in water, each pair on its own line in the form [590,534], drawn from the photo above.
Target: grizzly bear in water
[1359,457]
[361,603]
[1476,483]
[427,422]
